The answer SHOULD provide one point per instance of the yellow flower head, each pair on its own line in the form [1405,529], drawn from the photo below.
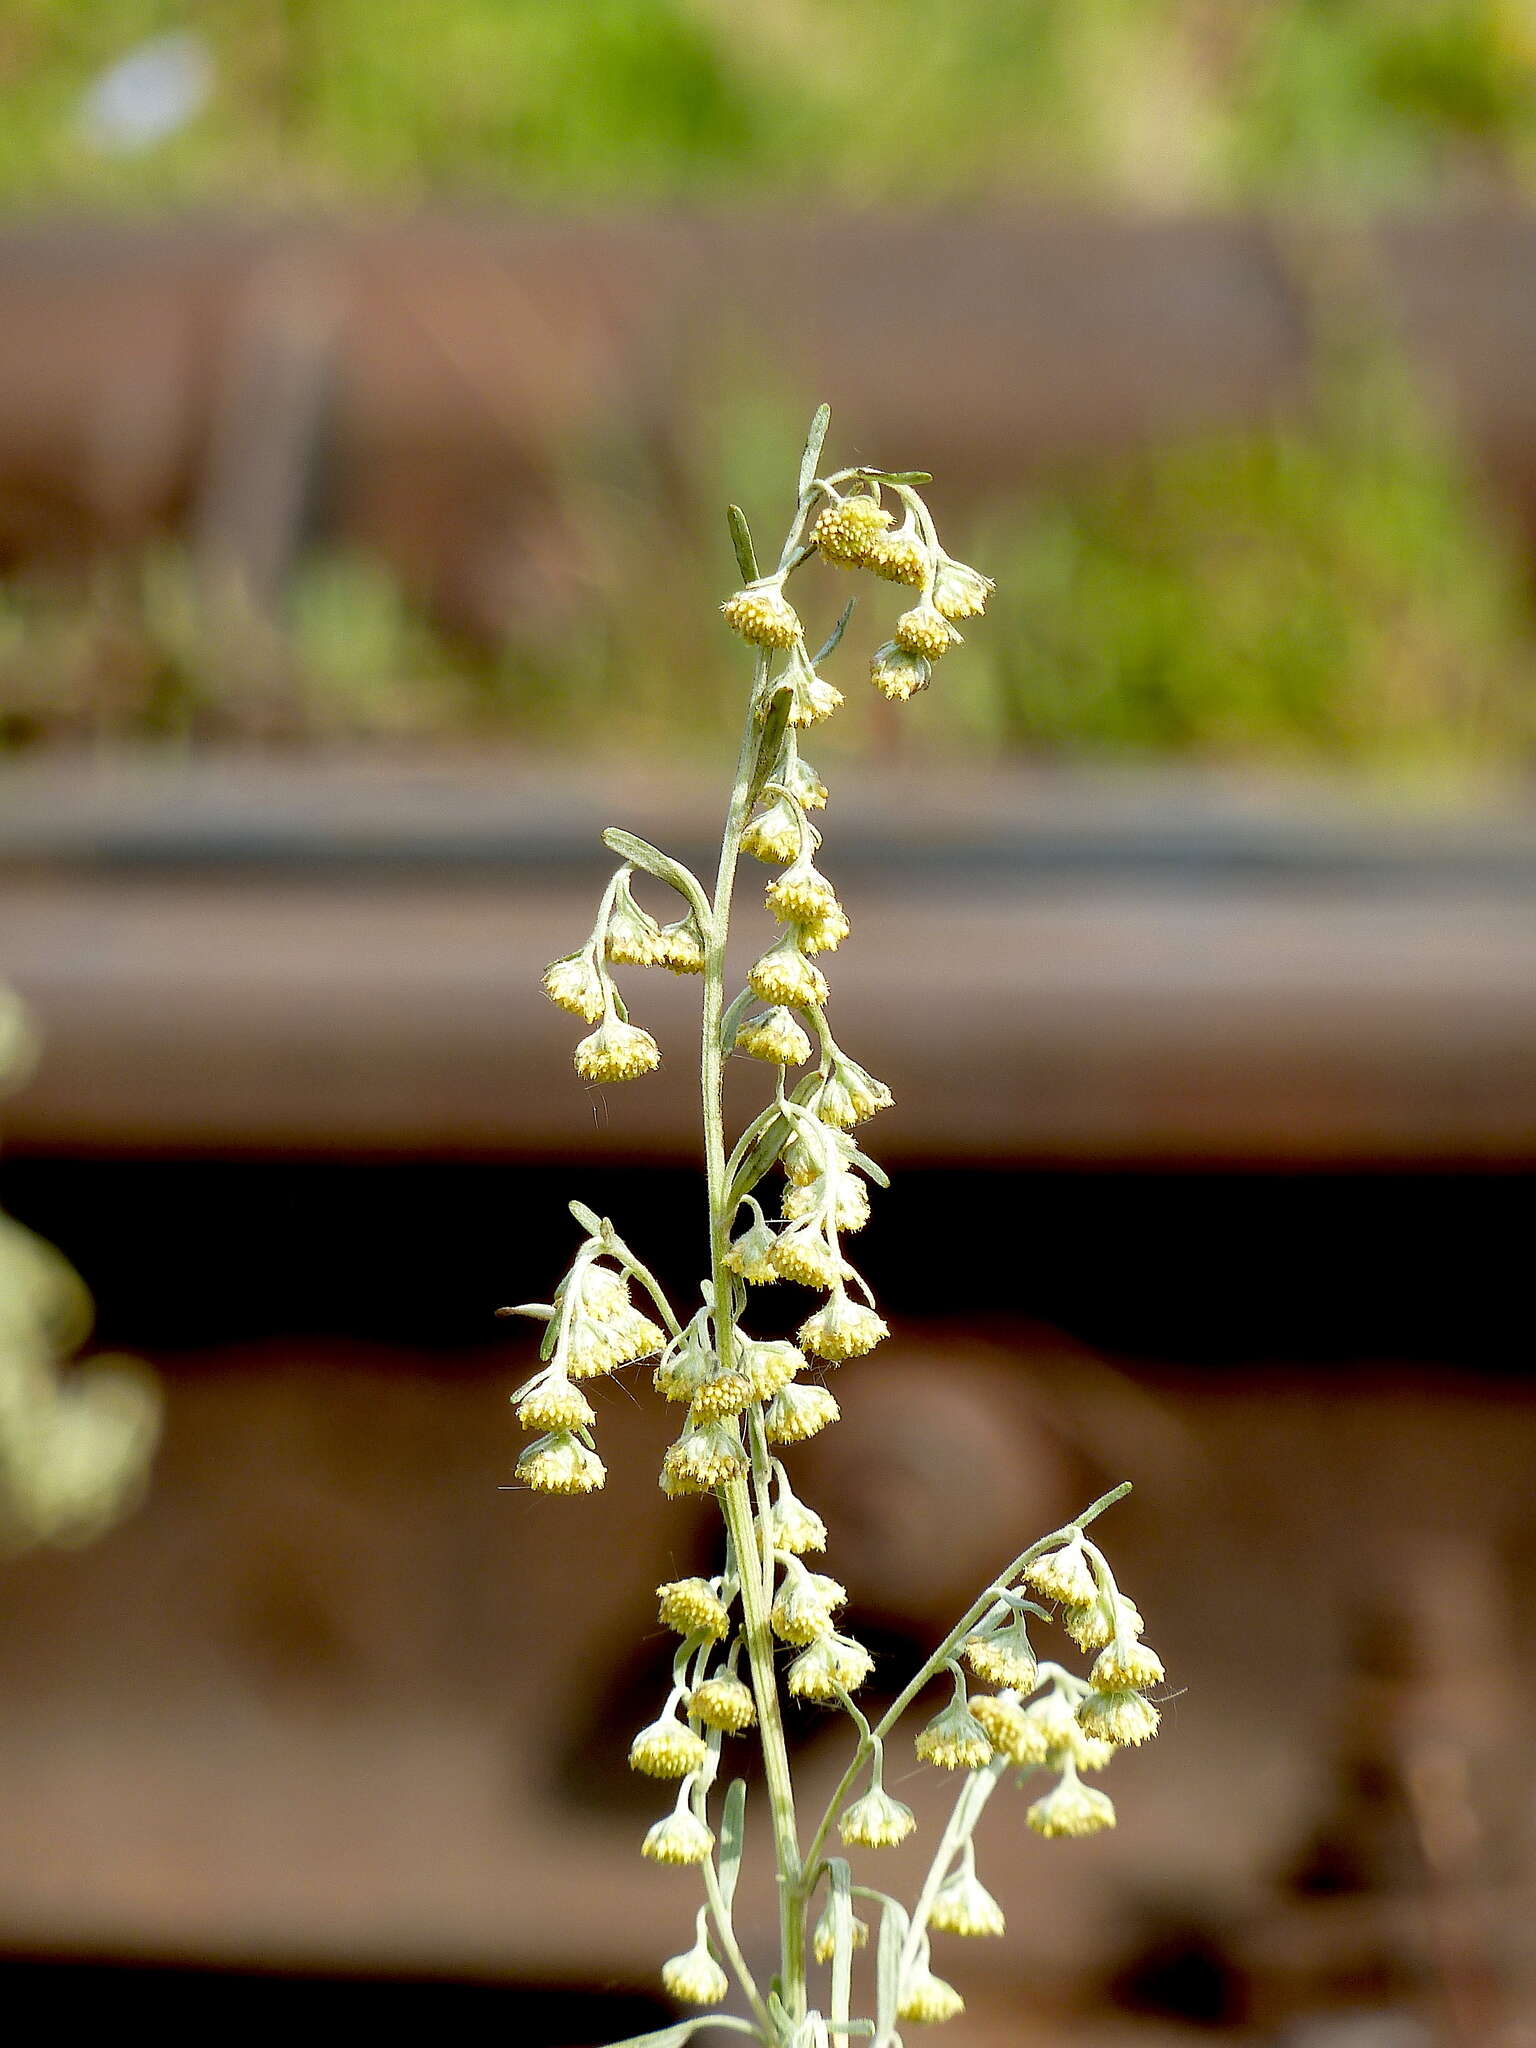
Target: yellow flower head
[695,1978]
[1090,1626]
[825,934]
[557,1463]
[667,1749]
[925,631]
[575,982]
[768,1366]
[773,836]
[927,1999]
[955,1740]
[850,530]
[723,1703]
[959,591]
[849,1202]
[877,1821]
[802,782]
[593,1347]
[801,894]
[842,1329]
[798,1412]
[1064,1574]
[726,1394]
[633,937]
[784,975]
[680,1838]
[692,1607]
[901,558]
[850,1096]
[552,1403]
[805,1255]
[1002,1656]
[796,1529]
[707,1455]
[762,614]
[898,674]
[773,1035]
[687,1364]
[681,946]
[963,1905]
[616,1051]
[1071,1808]
[1010,1731]
[1124,1718]
[1127,1666]
[832,1664]
[804,1605]
[811,697]
[750,1256]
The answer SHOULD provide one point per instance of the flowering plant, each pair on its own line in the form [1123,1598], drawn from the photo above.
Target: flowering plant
[746,1400]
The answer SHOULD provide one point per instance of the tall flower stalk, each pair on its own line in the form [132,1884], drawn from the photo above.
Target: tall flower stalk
[765,1628]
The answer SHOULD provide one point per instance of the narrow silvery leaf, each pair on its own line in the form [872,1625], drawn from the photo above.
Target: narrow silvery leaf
[741,541]
[829,645]
[732,1826]
[840,1880]
[775,725]
[893,1935]
[592,1224]
[866,1165]
[674,2037]
[899,476]
[643,855]
[815,440]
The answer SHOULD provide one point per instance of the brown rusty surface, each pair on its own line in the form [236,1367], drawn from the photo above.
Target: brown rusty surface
[474,360]
[1042,970]
[331,1698]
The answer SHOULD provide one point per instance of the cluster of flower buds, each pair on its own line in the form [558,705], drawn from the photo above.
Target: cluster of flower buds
[855,531]
[591,1328]
[625,935]
[744,1398]
[1042,1716]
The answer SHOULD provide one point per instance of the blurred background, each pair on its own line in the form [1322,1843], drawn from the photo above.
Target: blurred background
[372,375]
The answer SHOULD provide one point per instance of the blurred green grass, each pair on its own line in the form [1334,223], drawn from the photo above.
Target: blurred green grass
[646,102]
[1335,589]
[1332,587]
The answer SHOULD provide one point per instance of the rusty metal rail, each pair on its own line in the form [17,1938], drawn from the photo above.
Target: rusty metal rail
[1046,970]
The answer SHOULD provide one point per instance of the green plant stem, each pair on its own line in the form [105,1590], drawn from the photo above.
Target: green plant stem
[725,1934]
[735,1499]
[940,1657]
[974,1795]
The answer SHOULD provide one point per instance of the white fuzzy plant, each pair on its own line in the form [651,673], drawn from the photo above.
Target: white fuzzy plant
[766,1624]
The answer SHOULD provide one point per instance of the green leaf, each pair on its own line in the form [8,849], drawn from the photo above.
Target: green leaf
[741,541]
[866,1165]
[899,476]
[592,1224]
[815,440]
[829,645]
[659,864]
[674,2037]
[840,1880]
[775,725]
[893,1935]
[758,1161]
[733,1818]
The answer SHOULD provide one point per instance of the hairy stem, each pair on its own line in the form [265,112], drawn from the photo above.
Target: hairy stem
[940,1657]
[747,1544]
